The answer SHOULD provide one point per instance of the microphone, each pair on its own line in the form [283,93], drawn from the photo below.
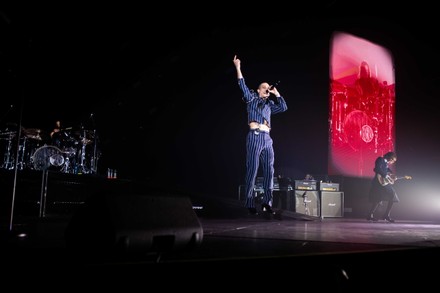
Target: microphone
[275,84]
[272,86]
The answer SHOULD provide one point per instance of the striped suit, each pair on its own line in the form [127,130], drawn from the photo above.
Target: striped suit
[259,144]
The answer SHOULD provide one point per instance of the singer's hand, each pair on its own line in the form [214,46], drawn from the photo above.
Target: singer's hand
[236,61]
[274,91]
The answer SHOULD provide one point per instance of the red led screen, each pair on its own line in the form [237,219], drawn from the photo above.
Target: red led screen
[362,105]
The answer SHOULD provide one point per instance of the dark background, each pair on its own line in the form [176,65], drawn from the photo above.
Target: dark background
[159,86]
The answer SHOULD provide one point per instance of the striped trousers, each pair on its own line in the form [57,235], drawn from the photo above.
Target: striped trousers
[259,149]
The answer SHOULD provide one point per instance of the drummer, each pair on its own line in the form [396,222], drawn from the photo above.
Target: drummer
[59,137]
[55,135]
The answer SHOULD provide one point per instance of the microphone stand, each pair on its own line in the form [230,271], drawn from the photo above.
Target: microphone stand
[43,195]
[305,200]
[11,219]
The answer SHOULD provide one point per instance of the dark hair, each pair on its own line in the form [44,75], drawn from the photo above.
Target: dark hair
[390,155]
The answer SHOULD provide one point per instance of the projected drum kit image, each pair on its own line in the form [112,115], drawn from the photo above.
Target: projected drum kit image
[73,151]
[362,121]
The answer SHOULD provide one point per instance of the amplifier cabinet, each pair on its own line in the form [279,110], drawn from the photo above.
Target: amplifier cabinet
[306,185]
[332,204]
[328,186]
[307,203]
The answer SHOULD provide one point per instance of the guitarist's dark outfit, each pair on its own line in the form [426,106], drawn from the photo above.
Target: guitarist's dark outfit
[379,192]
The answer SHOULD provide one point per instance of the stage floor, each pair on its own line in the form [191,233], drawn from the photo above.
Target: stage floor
[263,251]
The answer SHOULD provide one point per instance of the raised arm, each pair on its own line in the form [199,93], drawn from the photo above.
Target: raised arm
[237,64]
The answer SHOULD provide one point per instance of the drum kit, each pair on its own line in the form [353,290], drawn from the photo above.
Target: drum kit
[71,151]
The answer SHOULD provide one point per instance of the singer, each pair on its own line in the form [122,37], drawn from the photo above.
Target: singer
[259,144]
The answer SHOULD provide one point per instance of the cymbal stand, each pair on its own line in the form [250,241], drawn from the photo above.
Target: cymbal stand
[94,158]
[67,168]
[94,161]
[8,163]
[21,153]
[83,155]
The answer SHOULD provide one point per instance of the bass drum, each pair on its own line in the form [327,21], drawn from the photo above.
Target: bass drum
[47,156]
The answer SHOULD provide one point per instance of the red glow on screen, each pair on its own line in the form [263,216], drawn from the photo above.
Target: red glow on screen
[362,105]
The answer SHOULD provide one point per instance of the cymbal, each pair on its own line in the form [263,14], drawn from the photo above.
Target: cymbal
[33,133]
[8,133]
[36,137]
[338,86]
[88,134]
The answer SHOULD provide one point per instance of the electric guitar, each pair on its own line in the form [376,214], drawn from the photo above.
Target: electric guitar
[390,179]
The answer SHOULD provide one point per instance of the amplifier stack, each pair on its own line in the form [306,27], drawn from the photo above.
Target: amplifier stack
[313,198]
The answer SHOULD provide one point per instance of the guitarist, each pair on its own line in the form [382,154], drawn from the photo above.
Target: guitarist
[382,187]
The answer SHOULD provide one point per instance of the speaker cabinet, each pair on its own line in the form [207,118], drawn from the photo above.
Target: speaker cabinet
[134,223]
[332,204]
[307,202]
[282,200]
